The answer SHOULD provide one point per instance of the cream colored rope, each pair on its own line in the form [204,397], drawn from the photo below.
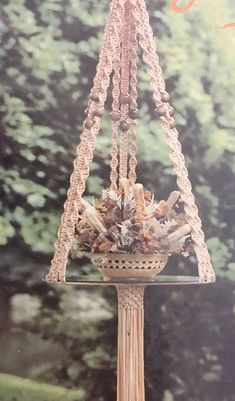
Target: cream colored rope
[148,46]
[130,367]
[85,150]
[134,96]
[125,75]
[115,116]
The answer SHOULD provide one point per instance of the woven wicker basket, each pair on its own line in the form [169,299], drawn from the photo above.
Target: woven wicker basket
[129,266]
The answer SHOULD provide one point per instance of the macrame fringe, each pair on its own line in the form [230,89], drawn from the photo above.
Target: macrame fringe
[130,368]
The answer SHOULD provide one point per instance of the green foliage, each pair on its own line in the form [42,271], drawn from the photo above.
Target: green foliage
[16,388]
[81,324]
[190,342]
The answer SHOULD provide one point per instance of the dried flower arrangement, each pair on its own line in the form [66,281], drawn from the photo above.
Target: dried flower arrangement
[132,222]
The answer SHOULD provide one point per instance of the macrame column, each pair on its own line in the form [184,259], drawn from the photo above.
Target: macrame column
[130,368]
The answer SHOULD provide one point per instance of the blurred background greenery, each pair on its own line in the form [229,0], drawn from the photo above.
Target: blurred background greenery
[67,336]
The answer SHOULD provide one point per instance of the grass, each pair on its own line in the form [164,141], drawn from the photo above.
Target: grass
[14,388]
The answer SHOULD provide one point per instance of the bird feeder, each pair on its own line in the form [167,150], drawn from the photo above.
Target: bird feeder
[128,235]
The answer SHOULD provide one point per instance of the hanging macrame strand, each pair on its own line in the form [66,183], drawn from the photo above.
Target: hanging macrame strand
[86,146]
[115,116]
[124,95]
[115,113]
[161,97]
[127,26]
[133,112]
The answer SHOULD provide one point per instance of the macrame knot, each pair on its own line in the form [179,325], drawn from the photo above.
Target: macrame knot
[130,296]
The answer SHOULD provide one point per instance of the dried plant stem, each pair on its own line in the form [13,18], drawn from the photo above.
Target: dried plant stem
[125,187]
[180,233]
[93,217]
[130,369]
[139,200]
[171,201]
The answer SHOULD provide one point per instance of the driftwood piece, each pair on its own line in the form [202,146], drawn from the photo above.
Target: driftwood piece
[161,209]
[93,217]
[179,233]
[164,207]
[138,191]
[171,201]
[177,247]
[125,188]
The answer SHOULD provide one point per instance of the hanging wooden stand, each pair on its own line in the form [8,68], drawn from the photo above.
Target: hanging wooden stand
[127,28]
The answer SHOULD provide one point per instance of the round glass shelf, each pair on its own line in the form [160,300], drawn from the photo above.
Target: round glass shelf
[88,280]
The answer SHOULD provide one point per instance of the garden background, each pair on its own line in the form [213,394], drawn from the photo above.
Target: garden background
[67,336]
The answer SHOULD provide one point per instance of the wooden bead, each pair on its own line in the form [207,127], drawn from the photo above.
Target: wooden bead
[115,115]
[161,110]
[99,111]
[124,126]
[94,97]
[171,122]
[89,123]
[124,98]
[165,97]
[134,113]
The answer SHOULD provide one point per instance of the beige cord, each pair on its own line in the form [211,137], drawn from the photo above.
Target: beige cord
[130,366]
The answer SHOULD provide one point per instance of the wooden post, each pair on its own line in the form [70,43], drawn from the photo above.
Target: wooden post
[130,364]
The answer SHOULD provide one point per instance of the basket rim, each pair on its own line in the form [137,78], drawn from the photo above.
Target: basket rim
[130,256]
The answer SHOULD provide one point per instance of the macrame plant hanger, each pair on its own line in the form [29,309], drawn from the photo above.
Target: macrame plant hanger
[127,28]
